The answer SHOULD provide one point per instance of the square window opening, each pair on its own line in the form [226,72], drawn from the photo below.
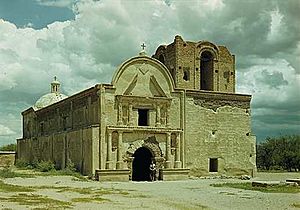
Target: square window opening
[143,117]
[213,164]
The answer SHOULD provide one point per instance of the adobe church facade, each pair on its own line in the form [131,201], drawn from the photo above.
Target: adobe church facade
[177,109]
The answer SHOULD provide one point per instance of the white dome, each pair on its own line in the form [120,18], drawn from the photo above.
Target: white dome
[49,99]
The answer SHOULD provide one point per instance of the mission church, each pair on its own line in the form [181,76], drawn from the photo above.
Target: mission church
[177,109]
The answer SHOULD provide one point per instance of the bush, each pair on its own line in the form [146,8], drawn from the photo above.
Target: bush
[45,166]
[9,147]
[22,164]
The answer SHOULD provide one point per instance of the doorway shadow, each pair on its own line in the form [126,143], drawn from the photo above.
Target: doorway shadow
[141,164]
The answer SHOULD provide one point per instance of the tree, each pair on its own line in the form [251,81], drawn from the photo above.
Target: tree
[9,147]
[281,152]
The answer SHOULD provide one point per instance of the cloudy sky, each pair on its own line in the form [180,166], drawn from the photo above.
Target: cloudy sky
[83,41]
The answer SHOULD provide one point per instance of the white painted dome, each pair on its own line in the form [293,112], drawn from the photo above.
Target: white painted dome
[50,98]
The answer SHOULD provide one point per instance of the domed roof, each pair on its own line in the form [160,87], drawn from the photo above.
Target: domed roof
[50,98]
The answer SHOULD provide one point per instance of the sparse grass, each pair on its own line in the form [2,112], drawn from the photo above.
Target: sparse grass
[181,206]
[269,189]
[296,205]
[47,168]
[77,175]
[14,188]
[36,200]
[227,193]
[9,173]
[83,191]
[89,199]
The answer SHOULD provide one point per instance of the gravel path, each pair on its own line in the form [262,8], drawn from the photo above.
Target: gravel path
[189,194]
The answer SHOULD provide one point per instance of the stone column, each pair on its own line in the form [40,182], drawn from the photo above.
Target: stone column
[167,117]
[119,151]
[109,152]
[120,114]
[130,114]
[177,152]
[168,151]
[157,115]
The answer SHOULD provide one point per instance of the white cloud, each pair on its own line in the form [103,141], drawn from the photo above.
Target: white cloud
[87,50]
[5,131]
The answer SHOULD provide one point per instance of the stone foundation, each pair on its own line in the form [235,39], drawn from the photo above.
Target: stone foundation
[174,174]
[113,175]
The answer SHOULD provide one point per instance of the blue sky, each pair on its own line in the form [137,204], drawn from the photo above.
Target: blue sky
[82,42]
[34,13]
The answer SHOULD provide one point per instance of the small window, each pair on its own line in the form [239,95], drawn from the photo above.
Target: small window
[213,164]
[186,73]
[42,128]
[64,123]
[185,76]
[143,117]
[161,59]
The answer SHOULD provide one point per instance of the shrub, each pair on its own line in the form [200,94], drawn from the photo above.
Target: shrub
[45,166]
[20,163]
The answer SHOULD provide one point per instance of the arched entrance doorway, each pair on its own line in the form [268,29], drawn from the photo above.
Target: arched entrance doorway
[141,164]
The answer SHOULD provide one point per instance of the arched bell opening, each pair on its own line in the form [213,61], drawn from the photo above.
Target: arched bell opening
[206,71]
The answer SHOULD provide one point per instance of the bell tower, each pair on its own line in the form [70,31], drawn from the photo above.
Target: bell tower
[55,86]
[198,65]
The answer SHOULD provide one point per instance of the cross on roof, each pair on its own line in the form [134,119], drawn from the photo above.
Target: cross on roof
[55,78]
[143,46]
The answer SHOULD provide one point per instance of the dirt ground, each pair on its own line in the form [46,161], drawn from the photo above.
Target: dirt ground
[61,192]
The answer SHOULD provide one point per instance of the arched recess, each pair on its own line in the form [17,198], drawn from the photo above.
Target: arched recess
[139,149]
[206,70]
[150,143]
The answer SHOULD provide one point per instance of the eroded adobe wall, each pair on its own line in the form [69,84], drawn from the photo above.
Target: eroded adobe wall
[185,66]
[80,147]
[219,129]
[226,71]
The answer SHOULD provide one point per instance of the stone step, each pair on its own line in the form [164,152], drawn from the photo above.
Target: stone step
[266,183]
[294,180]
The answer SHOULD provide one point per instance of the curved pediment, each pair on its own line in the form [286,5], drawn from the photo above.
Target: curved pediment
[143,76]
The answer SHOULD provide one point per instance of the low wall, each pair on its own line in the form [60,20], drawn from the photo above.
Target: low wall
[81,147]
[7,158]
